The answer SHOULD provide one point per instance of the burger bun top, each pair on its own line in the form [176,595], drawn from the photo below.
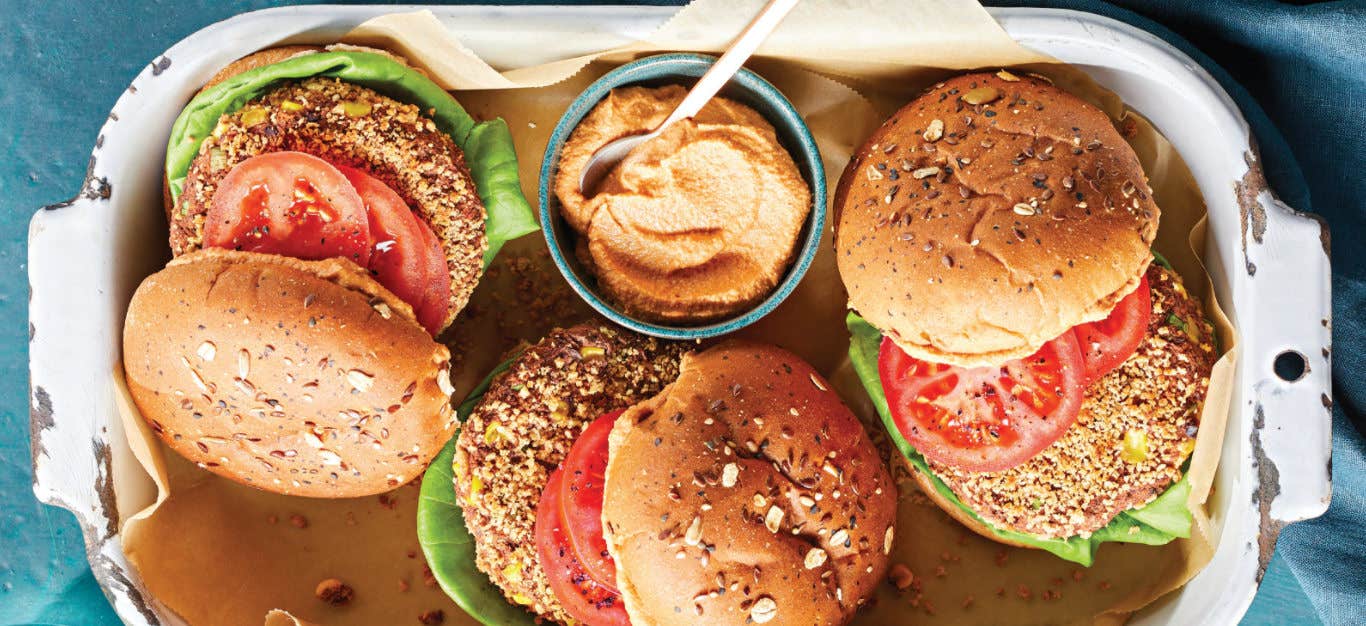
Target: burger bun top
[297,377]
[748,458]
[989,216]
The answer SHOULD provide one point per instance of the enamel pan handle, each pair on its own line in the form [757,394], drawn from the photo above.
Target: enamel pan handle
[70,452]
[71,385]
[1288,358]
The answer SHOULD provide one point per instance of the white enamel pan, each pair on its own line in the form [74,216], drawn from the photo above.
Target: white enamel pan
[1269,264]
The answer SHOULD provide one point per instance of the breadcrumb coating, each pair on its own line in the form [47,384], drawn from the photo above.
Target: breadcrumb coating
[521,431]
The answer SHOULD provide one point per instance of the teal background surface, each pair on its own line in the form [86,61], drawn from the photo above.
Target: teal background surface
[63,63]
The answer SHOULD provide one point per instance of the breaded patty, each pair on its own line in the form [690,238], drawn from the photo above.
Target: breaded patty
[1082,481]
[523,428]
[347,124]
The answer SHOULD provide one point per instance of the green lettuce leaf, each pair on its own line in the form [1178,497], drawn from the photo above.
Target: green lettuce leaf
[1160,521]
[447,543]
[487,145]
[1161,260]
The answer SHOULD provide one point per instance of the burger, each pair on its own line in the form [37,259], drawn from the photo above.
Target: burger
[1041,369]
[609,478]
[346,153]
[330,212]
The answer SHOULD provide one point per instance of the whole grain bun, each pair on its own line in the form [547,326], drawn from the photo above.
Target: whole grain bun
[297,377]
[260,58]
[990,215]
[747,477]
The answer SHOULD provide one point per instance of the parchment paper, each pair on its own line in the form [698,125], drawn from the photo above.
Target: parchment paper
[215,552]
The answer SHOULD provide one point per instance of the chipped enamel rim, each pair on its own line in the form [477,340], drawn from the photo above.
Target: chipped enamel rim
[1268,263]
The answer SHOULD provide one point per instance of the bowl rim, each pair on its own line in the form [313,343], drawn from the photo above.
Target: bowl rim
[788,116]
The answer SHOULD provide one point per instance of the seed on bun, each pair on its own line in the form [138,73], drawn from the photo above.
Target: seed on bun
[746,492]
[297,377]
[990,215]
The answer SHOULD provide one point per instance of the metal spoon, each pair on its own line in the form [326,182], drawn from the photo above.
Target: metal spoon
[608,156]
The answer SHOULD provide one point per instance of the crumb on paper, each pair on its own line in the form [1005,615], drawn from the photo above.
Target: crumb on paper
[334,592]
[900,576]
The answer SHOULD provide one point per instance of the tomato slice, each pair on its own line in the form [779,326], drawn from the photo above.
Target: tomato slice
[984,419]
[1109,342]
[436,304]
[288,203]
[581,596]
[396,235]
[404,250]
[585,470]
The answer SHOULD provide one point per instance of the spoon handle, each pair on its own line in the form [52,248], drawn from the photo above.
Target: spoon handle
[730,62]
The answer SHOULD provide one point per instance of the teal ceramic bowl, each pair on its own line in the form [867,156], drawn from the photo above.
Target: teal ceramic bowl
[747,88]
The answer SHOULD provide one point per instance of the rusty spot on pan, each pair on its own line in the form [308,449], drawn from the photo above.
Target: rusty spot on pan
[1268,487]
[104,486]
[112,576]
[39,419]
[1250,211]
[94,188]
[1252,214]
[1325,236]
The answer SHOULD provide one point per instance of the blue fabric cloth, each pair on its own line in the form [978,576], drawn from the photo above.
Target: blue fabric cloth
[1298,72]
